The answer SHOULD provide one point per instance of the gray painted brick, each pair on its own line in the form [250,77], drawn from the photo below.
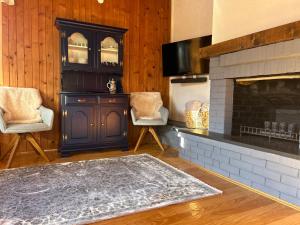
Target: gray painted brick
[292,181]
[282,169]
[220,157]
[240,179]
[216,163]
[253,177]
[266,173]
[265,189]
[193,153]
[198,161]
[208,153]
[208,161]
[230,169]
[282,187]
[204,146]
[291,199]
[254,161]
[240,164]
[218,170]
[199,151]
[231,154]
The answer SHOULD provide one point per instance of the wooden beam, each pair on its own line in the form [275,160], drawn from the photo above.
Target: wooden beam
[274,35]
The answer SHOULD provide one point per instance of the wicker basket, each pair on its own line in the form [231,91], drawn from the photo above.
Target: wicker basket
[197,115]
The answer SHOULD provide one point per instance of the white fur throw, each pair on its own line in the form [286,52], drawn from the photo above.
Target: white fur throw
[20,105]
[146,104]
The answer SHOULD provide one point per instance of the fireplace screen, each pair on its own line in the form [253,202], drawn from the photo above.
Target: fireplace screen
[267,113]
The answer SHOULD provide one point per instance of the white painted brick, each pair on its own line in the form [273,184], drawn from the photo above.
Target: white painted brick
[240,164]
[265,189]
[253,160]
[230,154]
[282,187]
[292,181]
[229,168]
[282,169]
[266,173]
[253,177]
[291,199]
[240,179]
[220,157]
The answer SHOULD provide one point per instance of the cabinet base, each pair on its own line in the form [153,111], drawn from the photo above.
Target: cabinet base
[66,152]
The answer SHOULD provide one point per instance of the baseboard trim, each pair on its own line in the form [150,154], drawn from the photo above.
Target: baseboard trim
[248,188]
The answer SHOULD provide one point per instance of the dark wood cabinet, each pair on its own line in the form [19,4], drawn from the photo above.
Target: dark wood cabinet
[93,121]
[113,124]
[90,47]
[91,118]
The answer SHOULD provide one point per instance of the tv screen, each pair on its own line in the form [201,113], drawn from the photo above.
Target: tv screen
[182,58]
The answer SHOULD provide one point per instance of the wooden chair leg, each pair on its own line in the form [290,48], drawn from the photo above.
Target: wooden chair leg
[154,134]
[10,146]
[13,151]
[141,137]
[32,141]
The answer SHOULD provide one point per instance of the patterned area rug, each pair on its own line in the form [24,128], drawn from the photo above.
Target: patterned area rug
[88,191]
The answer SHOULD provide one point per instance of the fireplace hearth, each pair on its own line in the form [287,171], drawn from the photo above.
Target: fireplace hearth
[268,110]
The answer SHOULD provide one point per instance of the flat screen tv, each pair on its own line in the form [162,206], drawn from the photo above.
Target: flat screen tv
[182,57]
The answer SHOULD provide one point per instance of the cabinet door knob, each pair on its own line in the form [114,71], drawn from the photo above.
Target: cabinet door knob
[92,124]
[102,124]
[81,100]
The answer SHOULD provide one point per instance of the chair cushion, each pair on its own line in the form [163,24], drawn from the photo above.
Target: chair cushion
[147,122]
[20,105]
[146,105]
[26,128]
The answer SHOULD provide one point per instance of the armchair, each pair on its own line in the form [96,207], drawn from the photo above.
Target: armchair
[25,130]
[148,124]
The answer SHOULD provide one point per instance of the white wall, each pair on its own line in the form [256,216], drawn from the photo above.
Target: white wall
[236,18]
[190,19]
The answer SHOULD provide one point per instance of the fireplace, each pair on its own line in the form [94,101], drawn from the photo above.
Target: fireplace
[255,96]
[266,112]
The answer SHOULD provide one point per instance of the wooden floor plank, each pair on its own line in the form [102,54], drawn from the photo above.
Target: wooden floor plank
[236,206]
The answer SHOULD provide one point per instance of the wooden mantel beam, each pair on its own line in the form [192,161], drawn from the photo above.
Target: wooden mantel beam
[274,35]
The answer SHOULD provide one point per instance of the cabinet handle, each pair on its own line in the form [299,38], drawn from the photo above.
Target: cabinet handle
[64,59]
[65,113]
[113,100]
[81,100]
[121,63]
[124,133]
[102,124]
[92,124]
[66,137]
[125,112]
[90,49]
[99,50]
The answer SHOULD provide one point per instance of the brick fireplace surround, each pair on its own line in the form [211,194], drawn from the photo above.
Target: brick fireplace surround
[277,174]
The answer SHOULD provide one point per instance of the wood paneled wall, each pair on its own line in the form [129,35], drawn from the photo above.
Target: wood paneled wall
[31,57]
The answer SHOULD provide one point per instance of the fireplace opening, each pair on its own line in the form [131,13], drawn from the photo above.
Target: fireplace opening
[266,112]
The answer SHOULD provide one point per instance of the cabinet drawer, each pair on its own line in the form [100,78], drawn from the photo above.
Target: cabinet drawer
[113,100]
[80,100]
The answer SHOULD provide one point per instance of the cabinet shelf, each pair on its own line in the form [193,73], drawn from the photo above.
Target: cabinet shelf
[109,50]
[77,47]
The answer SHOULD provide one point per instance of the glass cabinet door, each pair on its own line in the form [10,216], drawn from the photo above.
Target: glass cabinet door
[78,49]
[110,53]
[109,49]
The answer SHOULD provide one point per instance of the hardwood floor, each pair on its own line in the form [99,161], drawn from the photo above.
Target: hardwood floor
[236,205]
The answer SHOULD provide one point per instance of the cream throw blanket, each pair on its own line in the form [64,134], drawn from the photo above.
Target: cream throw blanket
[20,105]
[146,104]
